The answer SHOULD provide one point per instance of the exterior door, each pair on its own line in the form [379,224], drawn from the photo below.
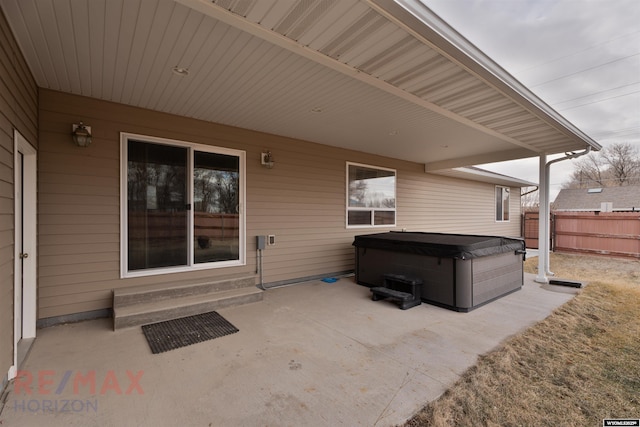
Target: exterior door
[25,246]
[18,301]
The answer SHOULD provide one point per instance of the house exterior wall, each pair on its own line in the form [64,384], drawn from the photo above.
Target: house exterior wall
[301,201]
[18,110]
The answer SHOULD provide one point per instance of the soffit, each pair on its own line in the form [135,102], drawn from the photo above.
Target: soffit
[482,175]
[361,75]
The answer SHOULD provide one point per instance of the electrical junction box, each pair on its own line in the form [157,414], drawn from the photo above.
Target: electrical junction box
[261,242]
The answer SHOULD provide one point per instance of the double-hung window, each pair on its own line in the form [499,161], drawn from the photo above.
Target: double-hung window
[181,206]
[502,204]
[371,196]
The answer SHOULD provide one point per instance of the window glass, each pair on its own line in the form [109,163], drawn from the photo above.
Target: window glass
[502,203]
[371,196]
[359,217]
[505,204]
[384,218]
[216,186]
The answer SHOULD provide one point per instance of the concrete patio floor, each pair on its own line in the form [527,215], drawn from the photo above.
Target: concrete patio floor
[314,354]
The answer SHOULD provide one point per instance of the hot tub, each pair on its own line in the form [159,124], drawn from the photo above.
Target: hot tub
[458,271]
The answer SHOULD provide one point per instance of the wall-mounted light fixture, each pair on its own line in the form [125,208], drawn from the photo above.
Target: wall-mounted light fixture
[267,159]
[81,135]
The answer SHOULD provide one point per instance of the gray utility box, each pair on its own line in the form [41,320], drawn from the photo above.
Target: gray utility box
[458,271]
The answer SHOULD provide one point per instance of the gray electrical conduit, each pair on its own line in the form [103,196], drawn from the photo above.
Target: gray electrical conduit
[259,269]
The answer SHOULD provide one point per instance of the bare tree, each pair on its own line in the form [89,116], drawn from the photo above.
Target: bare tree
[530,199]
[588,172]
[616,165]
[623,163]
[217,191]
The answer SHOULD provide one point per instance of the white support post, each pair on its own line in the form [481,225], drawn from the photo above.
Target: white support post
[543,222]
[547,221]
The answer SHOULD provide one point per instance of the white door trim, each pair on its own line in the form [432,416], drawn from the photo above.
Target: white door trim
[26,241]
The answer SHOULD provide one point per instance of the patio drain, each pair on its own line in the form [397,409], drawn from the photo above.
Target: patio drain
[172,334]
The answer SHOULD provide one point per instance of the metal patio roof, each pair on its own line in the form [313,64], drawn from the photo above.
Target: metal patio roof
[379,76]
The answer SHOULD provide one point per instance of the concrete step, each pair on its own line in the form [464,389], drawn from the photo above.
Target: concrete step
[147,293]
[160,310]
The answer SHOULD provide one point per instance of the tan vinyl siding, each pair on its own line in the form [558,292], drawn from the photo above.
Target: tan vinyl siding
[301,201]
[432,203]
[18,110]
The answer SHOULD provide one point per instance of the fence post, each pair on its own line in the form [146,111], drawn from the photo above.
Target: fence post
[553,232]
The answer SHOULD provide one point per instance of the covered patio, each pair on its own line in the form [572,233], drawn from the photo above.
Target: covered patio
[277,112]
[315,354]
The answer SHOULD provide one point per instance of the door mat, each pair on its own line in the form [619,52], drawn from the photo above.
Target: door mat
[171,334]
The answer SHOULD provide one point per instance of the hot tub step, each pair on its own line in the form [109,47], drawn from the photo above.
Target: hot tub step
[381,293]
[405,299]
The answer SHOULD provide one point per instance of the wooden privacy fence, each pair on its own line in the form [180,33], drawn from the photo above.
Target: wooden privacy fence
[606,233]
[530,224]
[171,225]
[603,233]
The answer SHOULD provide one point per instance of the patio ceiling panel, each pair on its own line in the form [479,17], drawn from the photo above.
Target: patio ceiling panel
[248,57]
[380,76]
[466,92]
[388,53]
[350,37]
[506,119]
[410,67]
[182,32]
[522,128]
[488,108]
[550,142]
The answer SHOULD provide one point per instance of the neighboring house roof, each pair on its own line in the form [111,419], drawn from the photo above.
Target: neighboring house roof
[582,199]
[477,174]
[378,76]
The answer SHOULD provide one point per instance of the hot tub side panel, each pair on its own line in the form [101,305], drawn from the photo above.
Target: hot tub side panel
[496,276]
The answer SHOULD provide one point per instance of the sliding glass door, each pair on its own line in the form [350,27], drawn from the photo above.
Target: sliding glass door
[183,206]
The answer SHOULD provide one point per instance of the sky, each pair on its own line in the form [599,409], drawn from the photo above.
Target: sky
[582,57]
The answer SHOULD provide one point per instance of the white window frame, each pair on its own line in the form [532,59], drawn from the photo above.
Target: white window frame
[502,188]
[373,210]
[191,265]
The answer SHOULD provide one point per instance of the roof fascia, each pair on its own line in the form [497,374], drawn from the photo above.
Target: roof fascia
[497,177]
[482,175]
[496,156]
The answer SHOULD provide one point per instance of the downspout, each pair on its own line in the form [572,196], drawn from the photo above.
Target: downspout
[545,207]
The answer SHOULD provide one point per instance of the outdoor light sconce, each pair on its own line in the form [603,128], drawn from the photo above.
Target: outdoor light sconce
[267,160]
[81,135]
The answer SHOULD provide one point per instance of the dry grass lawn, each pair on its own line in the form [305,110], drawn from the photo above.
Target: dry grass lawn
[577,367]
